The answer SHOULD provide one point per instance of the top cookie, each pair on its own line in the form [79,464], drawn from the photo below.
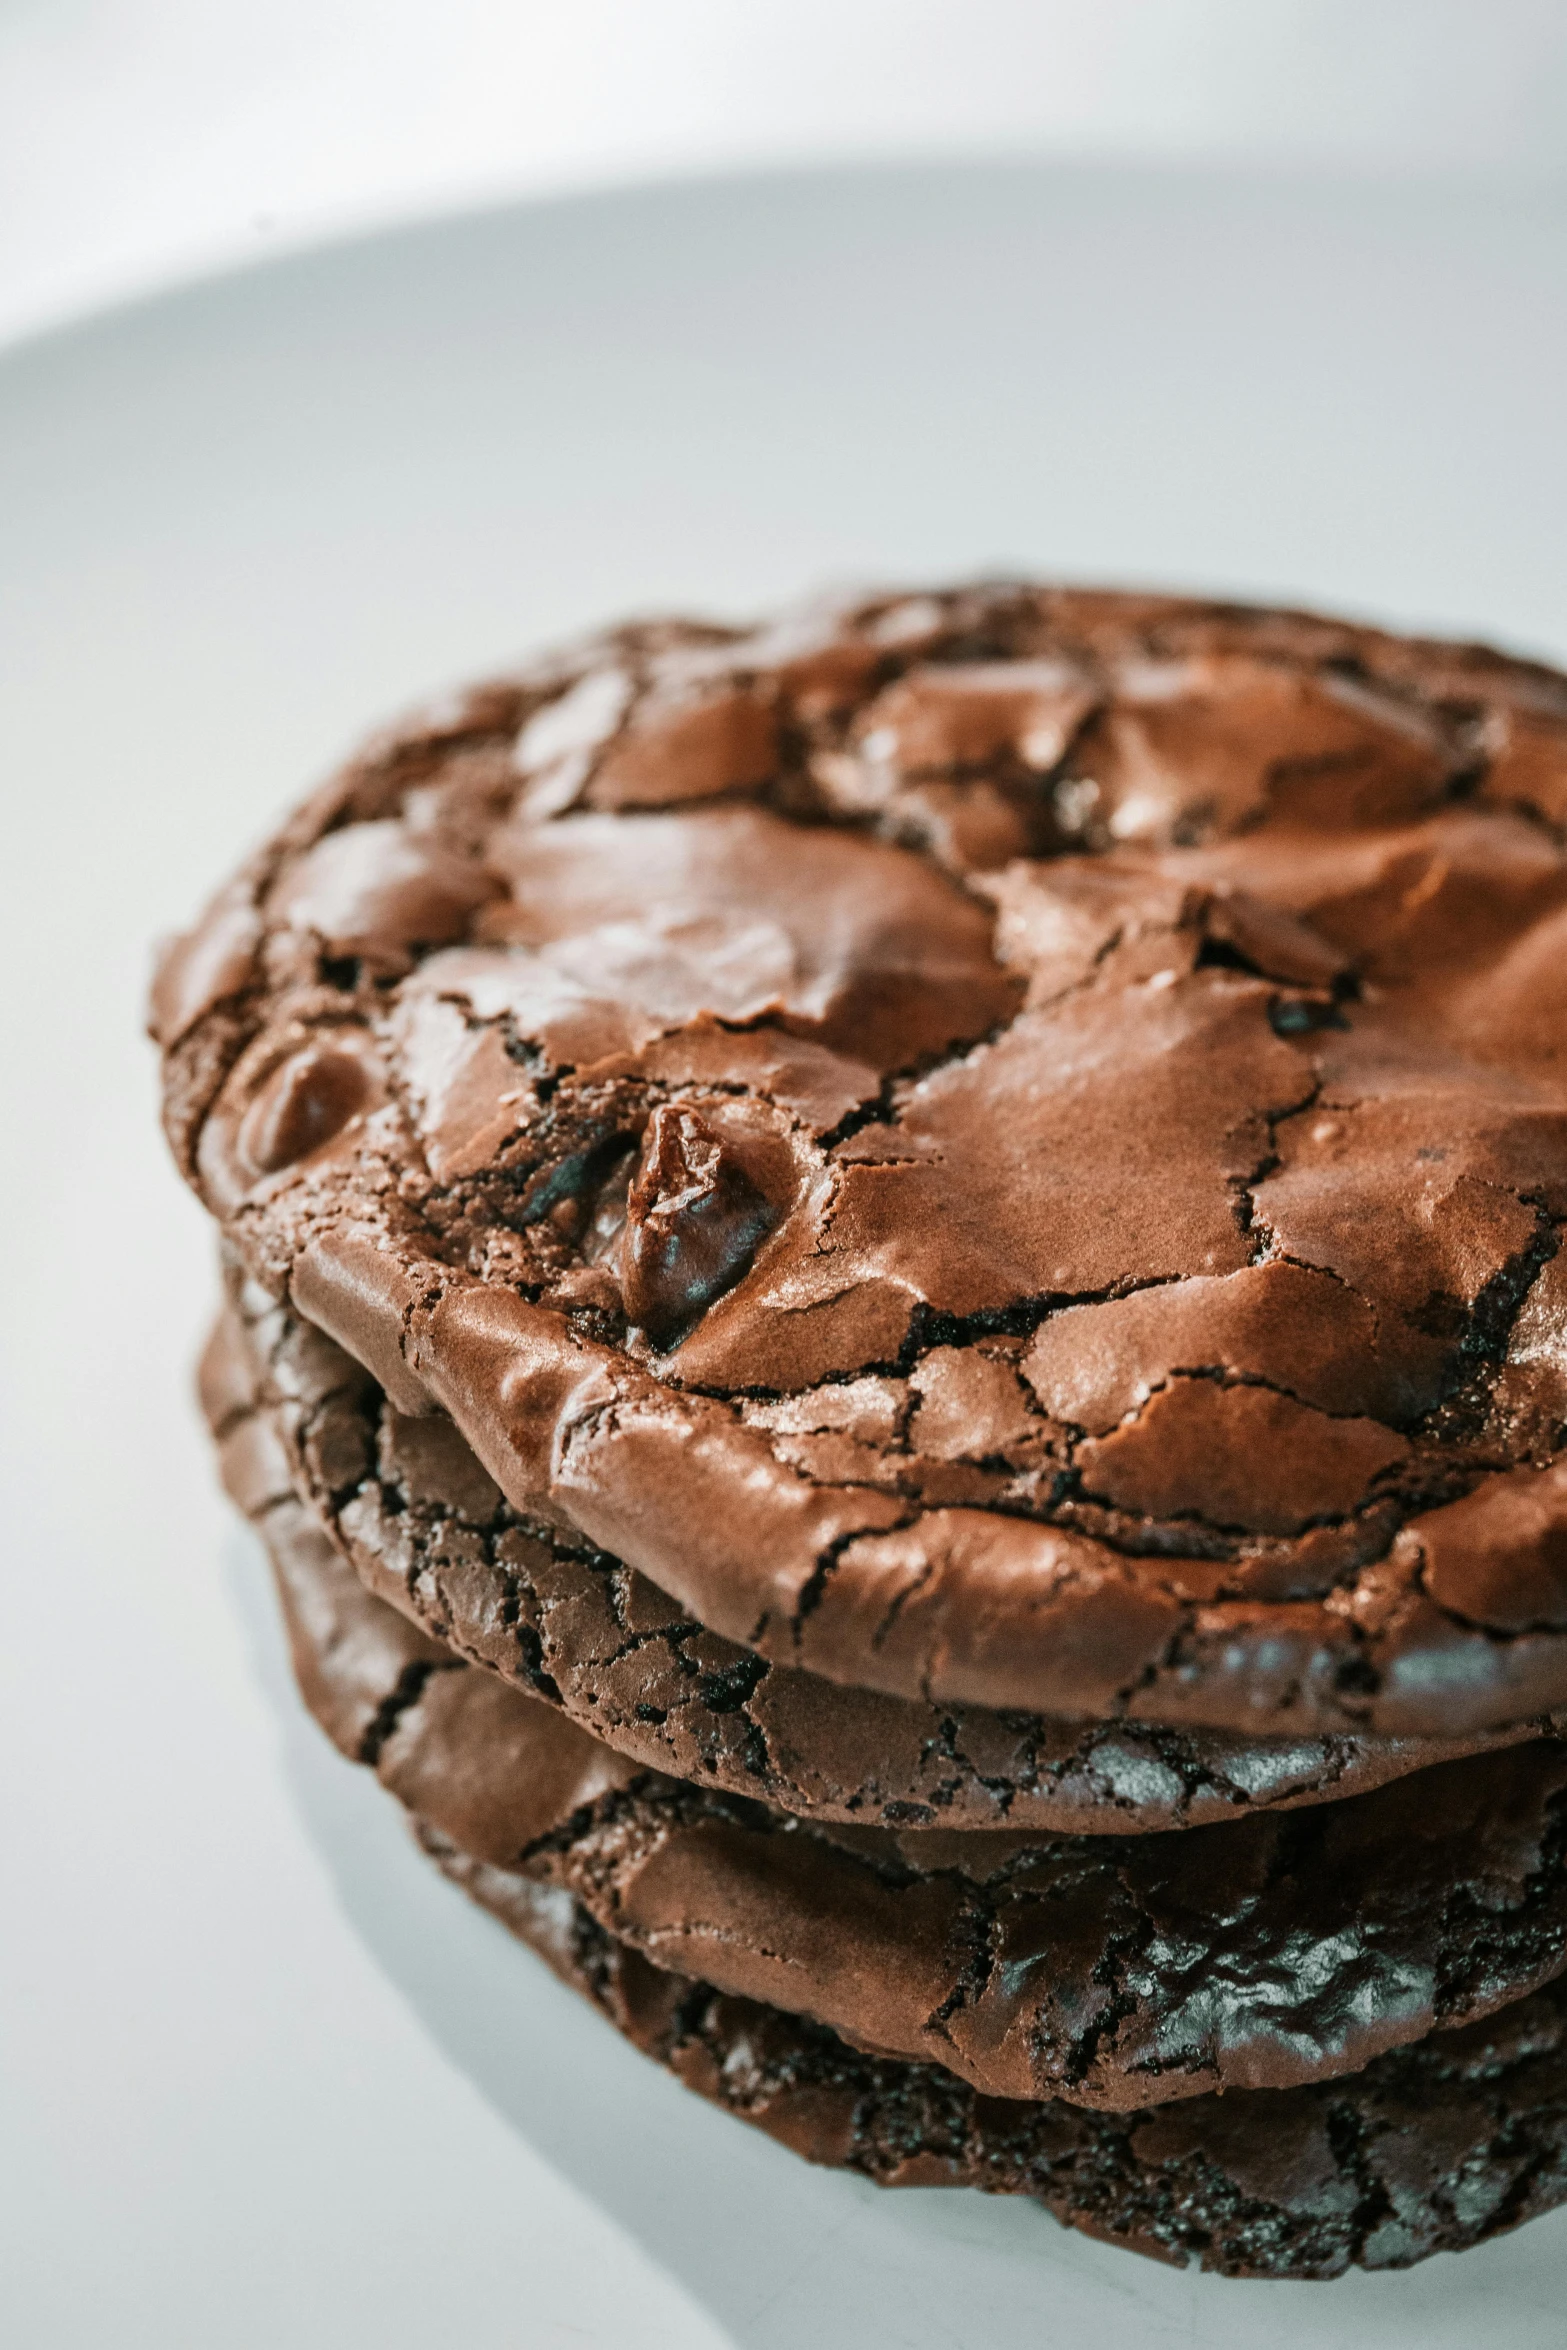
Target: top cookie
[1006,1146]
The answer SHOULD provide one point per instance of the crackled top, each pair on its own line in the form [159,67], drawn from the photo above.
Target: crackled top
[1002,1146]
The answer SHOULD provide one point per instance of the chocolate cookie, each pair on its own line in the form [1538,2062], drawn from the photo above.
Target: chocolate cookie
[1115,1973]
[1430,2149]
[1005,1147]
[427,1529]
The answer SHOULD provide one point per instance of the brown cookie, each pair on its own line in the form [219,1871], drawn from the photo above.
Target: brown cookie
[426,1528]
[1116,1973]
[1005,1147]
[1430,2149]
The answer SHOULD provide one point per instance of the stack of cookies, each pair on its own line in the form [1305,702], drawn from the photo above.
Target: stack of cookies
[894,1311]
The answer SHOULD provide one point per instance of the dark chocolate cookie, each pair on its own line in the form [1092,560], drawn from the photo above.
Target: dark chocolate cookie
[1430,2149]
[1111,1972]
[427,1529]
[1006,1147]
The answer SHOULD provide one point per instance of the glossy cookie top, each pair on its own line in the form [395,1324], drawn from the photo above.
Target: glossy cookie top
[1004,1147]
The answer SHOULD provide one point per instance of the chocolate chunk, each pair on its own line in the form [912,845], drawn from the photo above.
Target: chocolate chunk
[311,1098]
[694,1221]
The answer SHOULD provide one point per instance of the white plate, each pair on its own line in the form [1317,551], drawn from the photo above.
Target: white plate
[267,2080]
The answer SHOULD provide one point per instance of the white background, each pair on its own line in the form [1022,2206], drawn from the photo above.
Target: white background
[143,138]
[265,2081]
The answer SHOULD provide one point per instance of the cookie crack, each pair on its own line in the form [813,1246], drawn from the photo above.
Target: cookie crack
[406,1693]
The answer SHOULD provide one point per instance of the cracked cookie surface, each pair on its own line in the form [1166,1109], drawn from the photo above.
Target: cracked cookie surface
[1115,1973]
[427,1529]
[1431,2149]
[1006,1148]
